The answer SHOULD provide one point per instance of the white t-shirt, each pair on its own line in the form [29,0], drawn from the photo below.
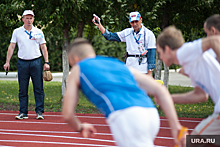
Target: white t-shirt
[127,35]
[28,48]
[203,69]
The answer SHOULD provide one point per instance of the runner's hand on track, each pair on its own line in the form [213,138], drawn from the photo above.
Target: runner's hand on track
[88,130]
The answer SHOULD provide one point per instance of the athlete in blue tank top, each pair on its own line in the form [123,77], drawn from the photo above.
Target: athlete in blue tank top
[119,92]
[110,86]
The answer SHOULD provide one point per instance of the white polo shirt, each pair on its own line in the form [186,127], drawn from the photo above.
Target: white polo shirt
[28,49]
[203,69]
[147,38]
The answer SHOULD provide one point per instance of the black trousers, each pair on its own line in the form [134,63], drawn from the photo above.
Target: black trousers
[30,69]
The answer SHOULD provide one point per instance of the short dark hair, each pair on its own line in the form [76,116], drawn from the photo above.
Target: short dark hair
[76,42]
[80,47]
[213,21]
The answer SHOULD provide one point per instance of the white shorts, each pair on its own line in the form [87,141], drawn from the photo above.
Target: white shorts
[209,126]
[134,126]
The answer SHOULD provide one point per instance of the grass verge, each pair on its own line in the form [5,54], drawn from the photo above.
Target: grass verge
[53,95]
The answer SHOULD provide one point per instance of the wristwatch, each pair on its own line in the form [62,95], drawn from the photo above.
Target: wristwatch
[151,69]
[47,63]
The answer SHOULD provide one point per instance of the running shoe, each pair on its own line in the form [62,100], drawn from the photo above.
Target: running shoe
[40,115]
[21,116]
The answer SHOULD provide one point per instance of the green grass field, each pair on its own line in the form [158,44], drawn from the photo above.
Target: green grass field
[53,95]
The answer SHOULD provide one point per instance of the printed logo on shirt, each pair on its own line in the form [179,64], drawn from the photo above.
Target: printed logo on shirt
[37,37]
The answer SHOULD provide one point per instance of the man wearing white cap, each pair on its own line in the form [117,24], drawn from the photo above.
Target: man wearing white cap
[140,41]
[29,39]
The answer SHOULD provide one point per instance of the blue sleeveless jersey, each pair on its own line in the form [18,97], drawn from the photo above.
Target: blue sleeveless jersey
[110,86]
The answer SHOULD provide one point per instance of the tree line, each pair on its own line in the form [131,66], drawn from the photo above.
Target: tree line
[64,20]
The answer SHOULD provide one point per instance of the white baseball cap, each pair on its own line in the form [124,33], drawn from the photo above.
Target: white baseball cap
[28,12]
[134,16]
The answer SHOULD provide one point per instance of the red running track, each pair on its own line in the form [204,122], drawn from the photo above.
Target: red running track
[53,132]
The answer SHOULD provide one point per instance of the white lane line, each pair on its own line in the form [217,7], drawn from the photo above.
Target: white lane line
[57,136]
[196,121]
[63,132]
[94,117]
[49,123]
[53,123]
[52,132]
[63,143]
[67,137]
[159,137]
[53,115]
[167,128]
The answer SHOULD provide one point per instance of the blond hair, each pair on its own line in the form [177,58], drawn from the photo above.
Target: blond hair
[171,37]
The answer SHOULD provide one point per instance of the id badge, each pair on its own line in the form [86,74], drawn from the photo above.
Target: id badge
[141,48]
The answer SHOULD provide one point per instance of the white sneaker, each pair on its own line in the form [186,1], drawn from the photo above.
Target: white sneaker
[40,115]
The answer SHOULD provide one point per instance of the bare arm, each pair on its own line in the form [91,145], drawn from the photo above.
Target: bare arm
[71,98]
[70,102]
[212,42]
[9,55]
[195,96]
[45,54]
[154,88]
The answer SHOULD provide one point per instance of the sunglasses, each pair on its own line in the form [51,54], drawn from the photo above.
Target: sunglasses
[135,21]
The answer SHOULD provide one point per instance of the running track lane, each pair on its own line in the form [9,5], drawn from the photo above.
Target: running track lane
[53,132]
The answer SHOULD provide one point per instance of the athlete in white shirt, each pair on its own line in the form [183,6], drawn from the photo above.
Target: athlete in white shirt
[211,27]
[202,68]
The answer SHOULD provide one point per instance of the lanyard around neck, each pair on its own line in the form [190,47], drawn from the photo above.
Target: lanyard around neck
[28,34]
[137,40]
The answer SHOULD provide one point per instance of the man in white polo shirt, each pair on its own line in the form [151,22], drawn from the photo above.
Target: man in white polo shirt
[140,41]
[29,39]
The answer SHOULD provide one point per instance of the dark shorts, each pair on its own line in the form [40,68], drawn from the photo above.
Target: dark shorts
[151,58]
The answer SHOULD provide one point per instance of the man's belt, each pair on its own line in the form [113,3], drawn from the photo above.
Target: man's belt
[137,55]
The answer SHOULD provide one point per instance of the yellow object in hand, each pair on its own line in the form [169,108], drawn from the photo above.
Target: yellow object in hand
[160,81]
[182,132]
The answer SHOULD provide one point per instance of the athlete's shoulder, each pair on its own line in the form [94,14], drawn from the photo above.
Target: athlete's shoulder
[193,44]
